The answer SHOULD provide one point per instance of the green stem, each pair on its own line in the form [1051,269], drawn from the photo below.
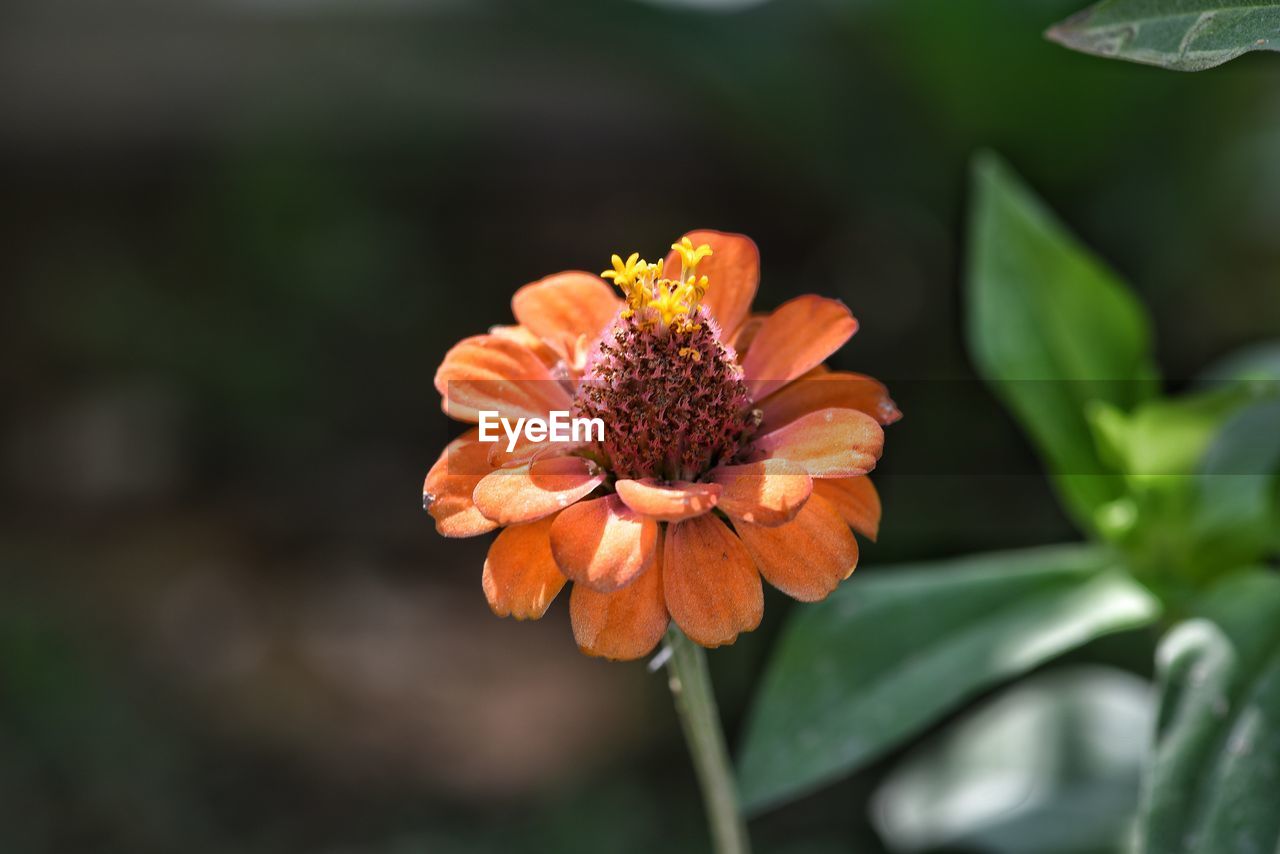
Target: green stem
[696,705]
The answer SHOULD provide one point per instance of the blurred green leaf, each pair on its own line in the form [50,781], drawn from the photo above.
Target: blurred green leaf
[1259,362]
[1185,35]
[1191,511]
[1050,765]
[1164,437]
[887,655]
[1212,782]
[1053,330]
[1237,482]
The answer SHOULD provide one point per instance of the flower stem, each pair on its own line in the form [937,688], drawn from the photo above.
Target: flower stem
[696,705]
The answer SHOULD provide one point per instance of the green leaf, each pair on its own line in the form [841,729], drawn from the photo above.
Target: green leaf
[1237,503]
[887,655]
[1212,782]
[1185,35]
[1198,502]
[1259,363]
[1053,330]
[1168,436]
[1049,766]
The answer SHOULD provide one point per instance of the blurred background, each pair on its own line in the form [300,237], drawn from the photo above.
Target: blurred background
[238,236]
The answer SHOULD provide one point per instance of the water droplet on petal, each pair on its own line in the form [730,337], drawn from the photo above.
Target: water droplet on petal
[562,500]
[829,416]
[427,500]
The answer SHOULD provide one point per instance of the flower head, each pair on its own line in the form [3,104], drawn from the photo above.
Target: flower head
[730,452]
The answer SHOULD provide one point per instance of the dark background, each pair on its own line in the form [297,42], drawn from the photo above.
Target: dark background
[236,238]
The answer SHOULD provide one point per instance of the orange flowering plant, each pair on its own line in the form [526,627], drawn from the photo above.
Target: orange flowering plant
[729,453]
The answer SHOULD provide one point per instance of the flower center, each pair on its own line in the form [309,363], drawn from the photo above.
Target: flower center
[670,394]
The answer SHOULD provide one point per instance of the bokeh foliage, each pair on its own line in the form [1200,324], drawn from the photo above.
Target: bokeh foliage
[1147,476]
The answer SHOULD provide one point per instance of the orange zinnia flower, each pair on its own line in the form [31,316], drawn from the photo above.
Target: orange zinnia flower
[730,452]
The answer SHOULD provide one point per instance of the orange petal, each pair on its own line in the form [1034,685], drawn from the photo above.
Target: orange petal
[497,373]
[667,502]
[602,543]
[831,390]
[799,335]
[733,274]
[446,493]
[562,307]
[520,576]
[856,500]
[827,443]
[622,625]
[533,490]
[527,450]
[712,588]
[807,557]
[570,358]
[524,337]
[747,333]
[769,492]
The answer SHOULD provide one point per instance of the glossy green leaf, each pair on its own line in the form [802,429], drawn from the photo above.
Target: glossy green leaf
[1185,35]
[890,653]
[1053,330]
[1213,782]
[1049,766]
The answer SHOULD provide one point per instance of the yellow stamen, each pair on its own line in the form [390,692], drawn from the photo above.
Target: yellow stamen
[690,254]
[656,298]
[623,272]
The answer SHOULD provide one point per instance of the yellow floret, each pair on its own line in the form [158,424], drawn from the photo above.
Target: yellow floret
[656,298]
